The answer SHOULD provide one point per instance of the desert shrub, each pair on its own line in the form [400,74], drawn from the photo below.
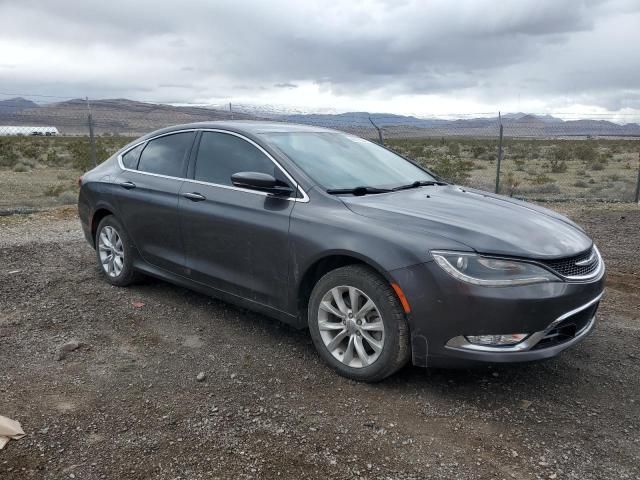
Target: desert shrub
[519,164]
[586,152]
[452,169]
[54,158]
[454,149]
[478,151]
[580,184]
[541,178]
[548,188]
[8,157]
[68,197]
[21,167]
[510,184]
[558,166]
[54,190]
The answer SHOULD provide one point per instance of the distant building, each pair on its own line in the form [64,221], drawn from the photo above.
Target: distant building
[25,130]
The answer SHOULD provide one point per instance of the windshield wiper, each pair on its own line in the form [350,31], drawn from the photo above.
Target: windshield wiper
[358,191]
[416,184]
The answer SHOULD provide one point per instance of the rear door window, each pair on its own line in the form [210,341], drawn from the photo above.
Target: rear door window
[221,155]
[166,155]
[130,159]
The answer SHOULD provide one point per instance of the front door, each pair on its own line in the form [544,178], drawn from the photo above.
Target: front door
[236,240]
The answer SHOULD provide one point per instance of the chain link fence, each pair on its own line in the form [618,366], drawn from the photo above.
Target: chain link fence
[536,157]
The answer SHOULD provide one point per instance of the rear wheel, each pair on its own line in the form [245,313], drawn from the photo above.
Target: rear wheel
[357,324]
[115,252]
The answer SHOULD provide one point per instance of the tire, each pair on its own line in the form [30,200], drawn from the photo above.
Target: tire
[118,273]
[345,355]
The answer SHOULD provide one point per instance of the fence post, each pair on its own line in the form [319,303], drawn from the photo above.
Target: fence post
[637,196]
[380,139]
[92,138]
[500,152]
[231,110]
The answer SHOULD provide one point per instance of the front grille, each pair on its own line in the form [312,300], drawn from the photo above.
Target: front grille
[567,328]
[567,266]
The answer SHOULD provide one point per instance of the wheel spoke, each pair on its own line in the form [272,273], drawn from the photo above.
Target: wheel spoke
[376,345]
[107,259]
[366,308]
[376,326]
[331,346]
[337,297]
[105,240]
[353,298]
[362,355]
[348,353]
[330,326]
[327,307]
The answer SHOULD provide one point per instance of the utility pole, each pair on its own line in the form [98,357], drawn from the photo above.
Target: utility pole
[380,139]
[500,152]
[231,110]
[637,195]
[92,138]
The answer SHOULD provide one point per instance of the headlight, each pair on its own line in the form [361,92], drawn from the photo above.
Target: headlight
[491,272]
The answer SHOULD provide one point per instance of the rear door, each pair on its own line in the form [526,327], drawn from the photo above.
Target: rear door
[236,239]
[148,198]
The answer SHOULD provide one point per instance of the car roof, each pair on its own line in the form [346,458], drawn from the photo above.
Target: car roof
[252,126]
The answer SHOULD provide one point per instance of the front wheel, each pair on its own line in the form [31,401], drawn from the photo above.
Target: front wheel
[357,324]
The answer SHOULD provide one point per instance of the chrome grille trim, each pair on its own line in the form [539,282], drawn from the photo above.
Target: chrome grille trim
[585,266]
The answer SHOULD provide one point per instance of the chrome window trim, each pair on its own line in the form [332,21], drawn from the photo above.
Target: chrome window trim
[304,199]
[461,343]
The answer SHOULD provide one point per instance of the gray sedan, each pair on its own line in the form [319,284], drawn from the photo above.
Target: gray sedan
[384,262]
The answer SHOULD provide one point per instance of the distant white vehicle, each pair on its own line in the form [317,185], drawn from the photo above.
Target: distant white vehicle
[11,130]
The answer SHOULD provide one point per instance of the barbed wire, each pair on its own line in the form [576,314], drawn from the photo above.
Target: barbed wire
[591,157]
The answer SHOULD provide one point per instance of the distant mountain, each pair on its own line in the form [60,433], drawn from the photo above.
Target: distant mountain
[114,116]
[129,117]
[15,105]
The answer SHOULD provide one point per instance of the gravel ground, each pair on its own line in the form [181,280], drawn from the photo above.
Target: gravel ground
[131,401]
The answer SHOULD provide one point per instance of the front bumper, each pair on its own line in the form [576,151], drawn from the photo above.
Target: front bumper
[444,310]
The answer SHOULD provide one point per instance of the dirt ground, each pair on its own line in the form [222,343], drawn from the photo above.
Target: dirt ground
[127,405]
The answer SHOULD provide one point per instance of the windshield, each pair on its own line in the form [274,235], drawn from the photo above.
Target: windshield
[342,161]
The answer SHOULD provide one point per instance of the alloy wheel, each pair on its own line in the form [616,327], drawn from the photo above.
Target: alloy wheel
[111,251]
[351,326]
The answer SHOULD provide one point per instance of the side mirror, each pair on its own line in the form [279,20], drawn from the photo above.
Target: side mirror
[262,182]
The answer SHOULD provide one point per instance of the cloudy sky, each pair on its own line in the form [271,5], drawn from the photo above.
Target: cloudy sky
[422,57]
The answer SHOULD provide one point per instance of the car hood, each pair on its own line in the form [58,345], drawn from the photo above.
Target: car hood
[484,222]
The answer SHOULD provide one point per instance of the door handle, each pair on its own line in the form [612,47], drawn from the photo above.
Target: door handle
[128,185]
[194,196]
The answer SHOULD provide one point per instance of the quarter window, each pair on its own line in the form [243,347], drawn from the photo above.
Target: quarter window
[221,155]
[130,159]
[166,155]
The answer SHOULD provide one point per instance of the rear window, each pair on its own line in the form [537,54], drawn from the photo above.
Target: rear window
[166,155]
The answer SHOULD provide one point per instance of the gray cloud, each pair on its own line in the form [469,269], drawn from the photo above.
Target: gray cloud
[541,50]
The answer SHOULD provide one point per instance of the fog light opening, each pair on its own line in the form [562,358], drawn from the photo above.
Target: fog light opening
[497,340]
